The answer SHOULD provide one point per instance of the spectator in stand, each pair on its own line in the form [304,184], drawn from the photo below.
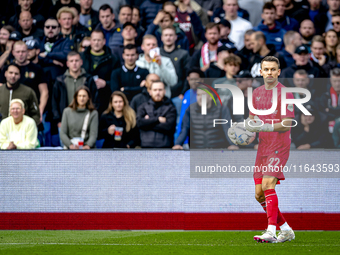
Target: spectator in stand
[261,50]
[194,77]
[301,80]
[329,101]
[307,32]
[129,34]
[310,132]
[318,14]
[292,40]
[18,131]
[54,49]
[216,69]
[7,56]
[125,14]
[88,17]
[26,5]
[5,32]
[33,51]
[118,124]
[86,42]
[65,18]
[225,28]
[14,89]
[80,30]
[63,3]
[109,26]
[287,23]
[336,134]
[205,137]
[331,40]
[149,10]
[144,96]
[336,22]
[332,64]
[239,25]
[31,75]
[334,6]
[162,66]
[179,58]
[208,53]
[297,10]
[221,13]
[156,119]
[231,67]
[128,78]
[66,85]
[317,56]
[115,4]
[163,20]
[80,119]
[247,50]
[190,23]
[136,19]
[301,57]
[99,62]
[27,29]
[270,27]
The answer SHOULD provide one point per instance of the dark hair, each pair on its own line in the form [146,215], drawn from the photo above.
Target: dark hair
[259,35]
[301,72]
[212,25]
[158,81]
[271,59]
[72,53]
[336,14]
[167,13]
[196,70]
[14,64]
[105,7]
[335,72]
[126,6]
[249,32]
[52,18]
[130,47]
[9,28]
[170,27]
[268,6]
[233,59]
[98,31]
[137,8]
[89,104]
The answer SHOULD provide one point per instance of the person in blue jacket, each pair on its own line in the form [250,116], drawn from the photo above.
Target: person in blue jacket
[271,28]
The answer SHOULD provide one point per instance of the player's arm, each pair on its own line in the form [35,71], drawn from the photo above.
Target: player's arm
[254,124]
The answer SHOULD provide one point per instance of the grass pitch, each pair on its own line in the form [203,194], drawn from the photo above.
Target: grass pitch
[162,242]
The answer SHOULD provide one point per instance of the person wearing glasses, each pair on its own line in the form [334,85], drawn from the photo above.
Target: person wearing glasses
[54,49]
[336,22]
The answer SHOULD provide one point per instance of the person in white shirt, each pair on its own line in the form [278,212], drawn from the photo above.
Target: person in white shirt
[18,131]
[239,26]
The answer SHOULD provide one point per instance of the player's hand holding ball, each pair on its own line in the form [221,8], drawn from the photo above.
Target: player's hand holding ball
[256,125]
[232,134]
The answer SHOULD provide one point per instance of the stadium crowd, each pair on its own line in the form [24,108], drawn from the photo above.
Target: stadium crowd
[82,74]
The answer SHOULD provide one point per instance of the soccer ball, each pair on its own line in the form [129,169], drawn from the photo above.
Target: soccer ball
[243,136]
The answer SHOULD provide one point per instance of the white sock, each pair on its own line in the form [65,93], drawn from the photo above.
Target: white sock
[272,228]
[285,226]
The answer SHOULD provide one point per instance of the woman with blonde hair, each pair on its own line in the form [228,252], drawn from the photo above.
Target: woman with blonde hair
[80,120]
[118,123]
[331,40]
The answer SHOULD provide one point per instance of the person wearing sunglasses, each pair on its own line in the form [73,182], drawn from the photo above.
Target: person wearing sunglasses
[336,22]
[54,49]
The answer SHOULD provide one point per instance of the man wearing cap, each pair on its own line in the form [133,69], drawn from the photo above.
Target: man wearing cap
[18,131]
[216,70]
[238,25]
[128,77]
[129,35]
[27,28]
[33,51]
[31,74]
[179,58]
[13,89]
[301,57]
[261,50]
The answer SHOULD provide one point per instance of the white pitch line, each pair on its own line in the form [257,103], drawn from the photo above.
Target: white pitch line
[116,244]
